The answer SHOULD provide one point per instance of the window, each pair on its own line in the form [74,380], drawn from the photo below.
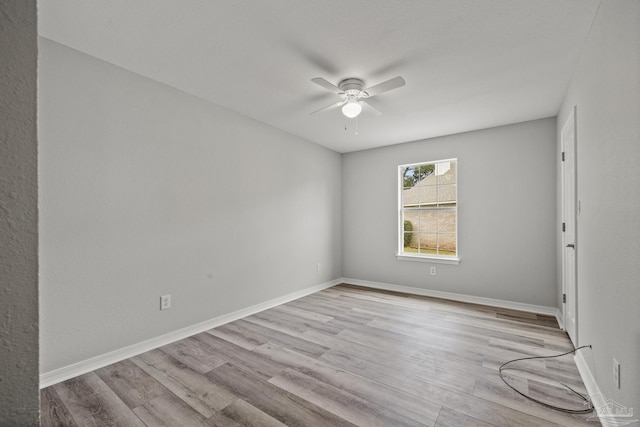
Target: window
[428,211]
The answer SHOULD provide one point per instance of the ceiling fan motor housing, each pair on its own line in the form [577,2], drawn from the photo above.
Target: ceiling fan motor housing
[351,87]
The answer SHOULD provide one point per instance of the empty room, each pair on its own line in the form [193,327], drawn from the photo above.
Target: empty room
[320,213]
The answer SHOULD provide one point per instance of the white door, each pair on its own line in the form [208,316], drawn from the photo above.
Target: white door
[569,248]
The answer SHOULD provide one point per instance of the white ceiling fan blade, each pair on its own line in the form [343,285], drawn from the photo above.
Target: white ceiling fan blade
[370,108]
[394,83]
[325,84]
[328,107]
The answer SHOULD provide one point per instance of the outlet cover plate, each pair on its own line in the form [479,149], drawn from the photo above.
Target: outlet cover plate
[165,302]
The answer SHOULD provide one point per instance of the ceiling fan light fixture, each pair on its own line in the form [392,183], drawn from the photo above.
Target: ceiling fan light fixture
[352,108]
[354,95]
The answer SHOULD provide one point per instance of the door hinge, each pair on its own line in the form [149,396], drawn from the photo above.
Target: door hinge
[564,227]
[564,298]
[563,156]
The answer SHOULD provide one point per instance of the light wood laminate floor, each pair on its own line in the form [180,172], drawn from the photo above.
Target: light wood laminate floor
[340,357]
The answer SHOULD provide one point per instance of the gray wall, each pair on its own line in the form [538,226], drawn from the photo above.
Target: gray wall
[606,91]
[507,208]
[19,403]
[146,191]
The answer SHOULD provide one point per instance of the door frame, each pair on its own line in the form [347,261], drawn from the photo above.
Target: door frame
[573,298]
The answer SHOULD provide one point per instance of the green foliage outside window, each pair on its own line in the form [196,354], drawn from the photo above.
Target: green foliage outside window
[408,226]
[413,174]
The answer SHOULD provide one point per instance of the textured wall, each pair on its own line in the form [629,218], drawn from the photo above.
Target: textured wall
[147,191]
[18,215]
[506,216]
[606,91]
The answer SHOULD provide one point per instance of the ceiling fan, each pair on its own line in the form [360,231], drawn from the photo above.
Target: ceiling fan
[353,94]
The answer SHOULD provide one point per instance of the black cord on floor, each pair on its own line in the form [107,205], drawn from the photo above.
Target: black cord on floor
[587,410]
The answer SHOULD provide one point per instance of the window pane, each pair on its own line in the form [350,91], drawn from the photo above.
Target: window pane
[410,197]
[447,194]
[425,175]
[420,196]
[446,172]
[428,195]
[428,243]
[411,220]
[409,177]
[410,242]
[447,244]
[447,221]
[428,222]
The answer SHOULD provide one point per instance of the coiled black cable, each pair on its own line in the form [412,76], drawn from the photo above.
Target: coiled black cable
[587,410]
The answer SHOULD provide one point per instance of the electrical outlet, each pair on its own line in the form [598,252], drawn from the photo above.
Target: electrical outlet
[616,373]
[165,302]
[318,266]
[433,271]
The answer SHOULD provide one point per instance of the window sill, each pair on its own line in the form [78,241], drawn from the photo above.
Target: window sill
[422,258]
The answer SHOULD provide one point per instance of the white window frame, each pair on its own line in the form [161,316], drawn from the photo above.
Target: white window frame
[439,259]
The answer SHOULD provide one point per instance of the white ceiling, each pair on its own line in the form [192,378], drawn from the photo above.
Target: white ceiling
[468,64]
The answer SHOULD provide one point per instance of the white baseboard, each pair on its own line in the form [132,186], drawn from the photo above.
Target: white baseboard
[559,318]
[530,308]
[597,398]
[58,375]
